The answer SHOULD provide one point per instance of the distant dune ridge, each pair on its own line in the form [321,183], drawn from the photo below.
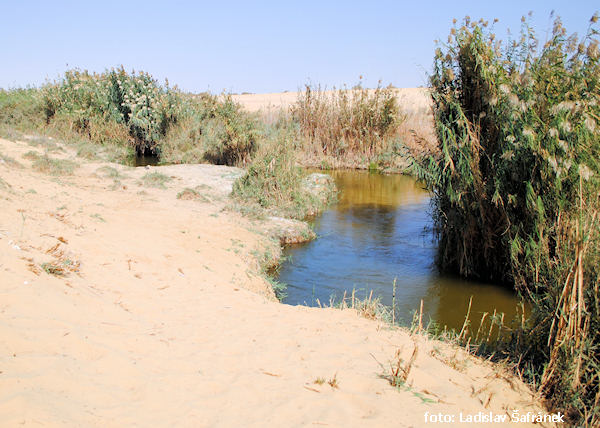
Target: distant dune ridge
[410,100]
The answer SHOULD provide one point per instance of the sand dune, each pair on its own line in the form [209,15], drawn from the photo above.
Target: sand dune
[410,99]
[162,319]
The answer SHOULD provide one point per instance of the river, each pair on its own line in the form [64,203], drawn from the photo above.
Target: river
[380,230]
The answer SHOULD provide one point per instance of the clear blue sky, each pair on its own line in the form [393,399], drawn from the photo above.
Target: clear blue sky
[250,46]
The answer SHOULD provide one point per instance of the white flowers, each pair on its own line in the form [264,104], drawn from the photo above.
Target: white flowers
[590,124]
[528,132]
[563,145]
[585,172]
[566,126]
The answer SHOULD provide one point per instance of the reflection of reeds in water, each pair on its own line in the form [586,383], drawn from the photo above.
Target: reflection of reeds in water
[377,189]
[493,334]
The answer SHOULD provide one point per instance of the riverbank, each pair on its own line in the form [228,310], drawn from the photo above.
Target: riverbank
[124,304]
[415,129]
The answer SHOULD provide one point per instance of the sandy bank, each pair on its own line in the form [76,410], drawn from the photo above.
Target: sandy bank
[160,317]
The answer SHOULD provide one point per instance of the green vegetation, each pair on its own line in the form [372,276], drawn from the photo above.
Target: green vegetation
[214,130]
[116,114]
[110,172]
[193,194]
[7,160]
[155,179]
[516,187]
[20,109]
[274,181]
[347,120]
[114,107]
[48,165]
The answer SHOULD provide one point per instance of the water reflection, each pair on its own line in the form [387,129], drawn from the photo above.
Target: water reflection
[144,160]
[380,230]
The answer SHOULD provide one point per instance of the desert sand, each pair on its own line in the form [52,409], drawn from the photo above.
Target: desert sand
[161,318]
[410,99]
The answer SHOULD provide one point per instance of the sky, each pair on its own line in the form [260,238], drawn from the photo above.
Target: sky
[252,46]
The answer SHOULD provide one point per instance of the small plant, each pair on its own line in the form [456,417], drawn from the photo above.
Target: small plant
[192,194]
[155,179]
[111,172]
[399,371]
[48,165]
[333,382]
[53,268]
[369,307]
[319,381]
[98,217]
[7,160]
[4,184]
[278,287]
[45,142]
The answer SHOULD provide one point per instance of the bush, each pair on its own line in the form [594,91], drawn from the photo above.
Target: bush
[213,130]
[516,190]
[21,108]
[135,101]
[274,181]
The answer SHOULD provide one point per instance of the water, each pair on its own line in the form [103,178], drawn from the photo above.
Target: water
[379,230]
[145,160]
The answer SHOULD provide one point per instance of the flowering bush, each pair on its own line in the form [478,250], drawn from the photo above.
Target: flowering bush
[134,100]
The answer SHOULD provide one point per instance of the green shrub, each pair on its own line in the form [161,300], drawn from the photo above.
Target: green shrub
[155,179]
[101,105]
[213,130]
[21,108]
[516,188]
[52,166]
[274,181]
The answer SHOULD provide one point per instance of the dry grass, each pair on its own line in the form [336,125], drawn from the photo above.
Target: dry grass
[347,120]
[155,179]
[188,194]
[44,163]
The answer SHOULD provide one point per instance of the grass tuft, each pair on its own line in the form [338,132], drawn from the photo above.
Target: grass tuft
[44,163]
[155,179]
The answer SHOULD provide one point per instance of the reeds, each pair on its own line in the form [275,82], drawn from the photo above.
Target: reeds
[516,189]
[344,121]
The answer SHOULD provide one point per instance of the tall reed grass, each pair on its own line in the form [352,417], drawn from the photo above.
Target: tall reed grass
[344,121]
[516,193]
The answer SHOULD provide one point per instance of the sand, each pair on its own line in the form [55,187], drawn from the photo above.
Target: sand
[410,99]
[162,318]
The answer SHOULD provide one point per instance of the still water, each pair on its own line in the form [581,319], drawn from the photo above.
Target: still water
[381,230]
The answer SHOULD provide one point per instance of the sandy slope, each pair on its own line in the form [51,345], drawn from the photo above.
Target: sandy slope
[167,322]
